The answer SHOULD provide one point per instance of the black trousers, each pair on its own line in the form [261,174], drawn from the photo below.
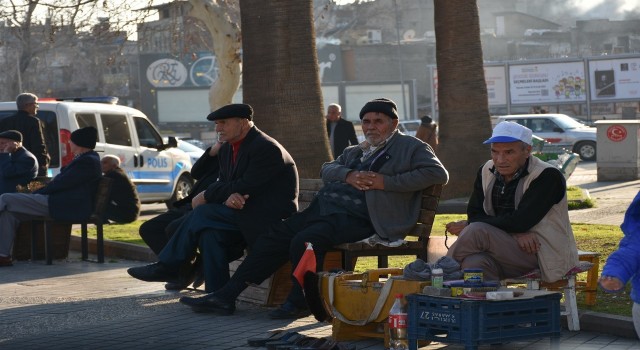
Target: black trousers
[157,231]
[286,241]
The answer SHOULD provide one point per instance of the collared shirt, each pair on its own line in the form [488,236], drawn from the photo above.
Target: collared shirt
[368,149]
[235,147]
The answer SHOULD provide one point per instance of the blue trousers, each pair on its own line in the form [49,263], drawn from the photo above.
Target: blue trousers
[213,229]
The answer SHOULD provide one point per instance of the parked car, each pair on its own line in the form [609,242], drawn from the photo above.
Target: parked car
[159,170]
[190,148]
[560,130]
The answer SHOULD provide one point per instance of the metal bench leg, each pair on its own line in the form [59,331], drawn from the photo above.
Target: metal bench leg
[34,237]
[47,243]
[84,244]
[100,242]
[383,261]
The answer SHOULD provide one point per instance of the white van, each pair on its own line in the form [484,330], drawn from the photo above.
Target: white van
[160,171]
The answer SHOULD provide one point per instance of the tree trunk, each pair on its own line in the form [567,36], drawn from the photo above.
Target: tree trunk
[280,78]
[226,47]
[462,94]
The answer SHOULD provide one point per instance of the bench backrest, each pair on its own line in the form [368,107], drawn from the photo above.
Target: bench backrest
[422,229]
[102,198]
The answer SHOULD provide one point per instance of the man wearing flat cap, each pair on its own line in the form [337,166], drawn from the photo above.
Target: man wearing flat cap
[517,216]
[69,196]
[257,187]
[26,122]
[372,189]
[17,165]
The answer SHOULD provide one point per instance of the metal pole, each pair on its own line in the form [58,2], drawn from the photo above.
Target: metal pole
[19,76]
[404,102]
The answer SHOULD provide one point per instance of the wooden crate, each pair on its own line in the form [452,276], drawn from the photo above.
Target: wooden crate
[274,290]
[61,234]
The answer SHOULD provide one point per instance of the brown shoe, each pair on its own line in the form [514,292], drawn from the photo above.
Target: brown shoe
[5,261]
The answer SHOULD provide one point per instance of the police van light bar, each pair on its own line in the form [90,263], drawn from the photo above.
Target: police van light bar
[95,99]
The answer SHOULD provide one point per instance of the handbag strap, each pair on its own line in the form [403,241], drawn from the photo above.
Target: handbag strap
[384,293]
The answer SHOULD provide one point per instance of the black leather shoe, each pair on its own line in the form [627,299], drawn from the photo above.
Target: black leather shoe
[156,272]
[210,304]
[288,311]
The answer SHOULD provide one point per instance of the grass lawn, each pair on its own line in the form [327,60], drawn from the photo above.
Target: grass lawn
[596,238]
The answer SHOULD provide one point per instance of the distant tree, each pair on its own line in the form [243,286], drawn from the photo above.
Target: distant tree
[462,94]
[36,29]
[220,19]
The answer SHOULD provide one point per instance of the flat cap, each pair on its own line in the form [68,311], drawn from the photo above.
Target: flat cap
[235,110]
[14,135]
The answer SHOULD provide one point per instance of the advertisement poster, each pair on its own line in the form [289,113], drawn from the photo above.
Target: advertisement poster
[547,83]
[496,79]
[615,78]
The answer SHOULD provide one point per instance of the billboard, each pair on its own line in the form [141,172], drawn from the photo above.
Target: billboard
[615,78]
[547,83]
[496,79]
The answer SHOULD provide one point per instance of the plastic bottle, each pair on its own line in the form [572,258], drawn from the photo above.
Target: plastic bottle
[437,278]
[398,325]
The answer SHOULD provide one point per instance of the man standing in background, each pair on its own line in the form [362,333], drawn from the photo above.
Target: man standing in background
[341,132]
[26,122]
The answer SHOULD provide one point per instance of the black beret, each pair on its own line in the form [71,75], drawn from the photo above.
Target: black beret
[235,110]
[381,105]
[14,135]
[85,137]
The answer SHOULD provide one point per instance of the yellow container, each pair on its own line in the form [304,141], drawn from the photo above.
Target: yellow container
[353,298]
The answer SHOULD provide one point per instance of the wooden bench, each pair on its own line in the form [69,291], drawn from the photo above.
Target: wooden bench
[96,218]
[418,237]
[274,290]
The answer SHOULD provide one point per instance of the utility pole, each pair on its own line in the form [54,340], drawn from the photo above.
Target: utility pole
[404,103]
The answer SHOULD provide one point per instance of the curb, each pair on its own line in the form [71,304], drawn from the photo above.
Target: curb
[117,250]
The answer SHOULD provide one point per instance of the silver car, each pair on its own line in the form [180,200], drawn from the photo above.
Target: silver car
[560,130]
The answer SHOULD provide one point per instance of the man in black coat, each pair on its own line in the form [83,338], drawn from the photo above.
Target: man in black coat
[257,187]
[69,196]
[17,165]
[124,204]
[26,122]
[341,132]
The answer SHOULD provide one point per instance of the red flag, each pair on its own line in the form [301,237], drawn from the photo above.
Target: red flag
[306,264]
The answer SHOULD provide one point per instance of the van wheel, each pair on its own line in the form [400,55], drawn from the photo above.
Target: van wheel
[183,187]
[586,150]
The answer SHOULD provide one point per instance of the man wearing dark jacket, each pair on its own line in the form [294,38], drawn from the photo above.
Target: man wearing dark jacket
[257,187]
[124,204]
[26,122]
[17,165]
[341,132]
[69,196]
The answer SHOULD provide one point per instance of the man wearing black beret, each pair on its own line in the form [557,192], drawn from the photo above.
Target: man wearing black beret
[67,197]
[257,187]
[17,165]
[372,189]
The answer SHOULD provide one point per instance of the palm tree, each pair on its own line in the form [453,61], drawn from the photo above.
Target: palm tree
[462,94]
[280,78]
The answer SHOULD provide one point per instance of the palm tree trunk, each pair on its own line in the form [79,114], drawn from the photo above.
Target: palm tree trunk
[462,94]
[280,78]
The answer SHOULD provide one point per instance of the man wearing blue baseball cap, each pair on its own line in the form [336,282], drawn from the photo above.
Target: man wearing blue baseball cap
[518,218]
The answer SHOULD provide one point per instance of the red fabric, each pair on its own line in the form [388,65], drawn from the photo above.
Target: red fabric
[235,147]
[306,264]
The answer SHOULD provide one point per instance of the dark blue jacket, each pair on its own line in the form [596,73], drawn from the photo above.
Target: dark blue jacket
[72,192]
[17,168]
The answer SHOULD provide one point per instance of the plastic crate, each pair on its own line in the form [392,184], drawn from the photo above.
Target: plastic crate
[474,322]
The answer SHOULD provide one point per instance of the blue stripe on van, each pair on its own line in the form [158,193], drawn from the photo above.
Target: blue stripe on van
[160,175]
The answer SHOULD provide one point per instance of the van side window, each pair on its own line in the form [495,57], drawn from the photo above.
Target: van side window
[86,119]
[147,134]
[116,129]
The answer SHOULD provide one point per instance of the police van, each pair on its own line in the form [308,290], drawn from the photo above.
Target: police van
[160,171]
